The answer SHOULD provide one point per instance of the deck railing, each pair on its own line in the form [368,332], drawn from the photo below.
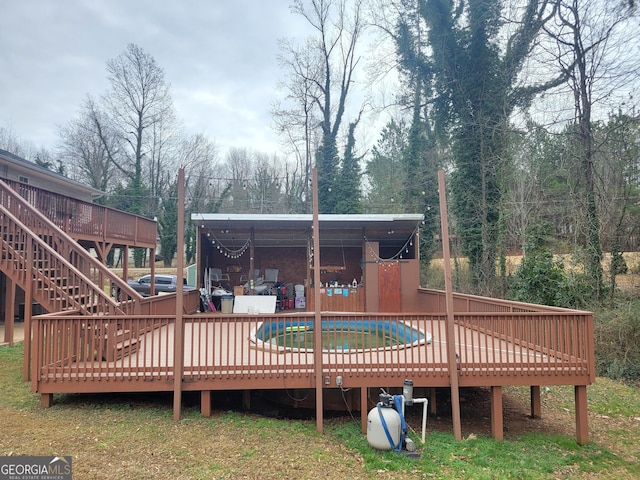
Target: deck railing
[63,275]
[560,344]
[55,283]
[435,300]
[89,221]
[78,354]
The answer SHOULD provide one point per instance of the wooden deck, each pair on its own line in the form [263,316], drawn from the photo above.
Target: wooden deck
[501,343]
[221,352]
[96,344]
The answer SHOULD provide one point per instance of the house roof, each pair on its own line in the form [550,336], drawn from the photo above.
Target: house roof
[56,182]
[294,230]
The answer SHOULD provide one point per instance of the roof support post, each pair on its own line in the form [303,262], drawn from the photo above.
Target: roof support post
[451,340]
[178,339]
[252,261]
[317,330]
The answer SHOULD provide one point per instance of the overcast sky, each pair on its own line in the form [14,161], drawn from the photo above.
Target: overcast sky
[220,57]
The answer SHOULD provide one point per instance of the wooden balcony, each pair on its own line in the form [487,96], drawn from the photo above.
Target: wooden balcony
[86,221]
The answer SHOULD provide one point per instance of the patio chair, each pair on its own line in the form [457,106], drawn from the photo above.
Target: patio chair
[216,275]
[244,279]
[263,286]
[271,275]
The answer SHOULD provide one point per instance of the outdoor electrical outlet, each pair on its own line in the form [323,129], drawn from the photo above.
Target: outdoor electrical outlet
[339,380]
[327,380]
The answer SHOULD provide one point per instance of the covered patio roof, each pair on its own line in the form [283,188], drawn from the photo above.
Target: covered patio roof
[270,230]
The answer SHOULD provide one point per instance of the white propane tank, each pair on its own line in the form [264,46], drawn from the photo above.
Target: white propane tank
[376,435]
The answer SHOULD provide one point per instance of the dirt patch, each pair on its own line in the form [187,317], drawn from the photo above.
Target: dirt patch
[475,414]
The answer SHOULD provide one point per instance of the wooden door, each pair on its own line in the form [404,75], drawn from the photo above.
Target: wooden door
[389,286]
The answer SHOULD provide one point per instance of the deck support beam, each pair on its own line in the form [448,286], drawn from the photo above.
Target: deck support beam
[432,401]
[9,310]
[536,404]
[205,403]
[28,311]
[364,414]
[46,400]
[582,420]
[497,425]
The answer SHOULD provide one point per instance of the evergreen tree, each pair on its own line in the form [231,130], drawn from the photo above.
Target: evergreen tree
[349,195]
[384,170]
[168,224]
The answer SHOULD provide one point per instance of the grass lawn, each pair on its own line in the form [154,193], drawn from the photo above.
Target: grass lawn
[115,436]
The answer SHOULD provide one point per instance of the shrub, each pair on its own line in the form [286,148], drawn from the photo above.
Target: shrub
[617,341]
[543,279]
[539,279]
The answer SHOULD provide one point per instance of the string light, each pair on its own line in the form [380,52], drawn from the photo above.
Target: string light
[226,251]
[398,254]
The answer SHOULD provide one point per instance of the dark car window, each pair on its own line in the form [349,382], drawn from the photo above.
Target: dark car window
[163,281]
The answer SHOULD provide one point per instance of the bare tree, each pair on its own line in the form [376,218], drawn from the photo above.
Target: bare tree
[138,101]
[296,119]
[236,172]
[86,143]
[591,48]
[322,74]
[199,157]
[265,191]
[10,141]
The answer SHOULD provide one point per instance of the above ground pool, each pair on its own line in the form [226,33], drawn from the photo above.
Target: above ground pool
[351,335]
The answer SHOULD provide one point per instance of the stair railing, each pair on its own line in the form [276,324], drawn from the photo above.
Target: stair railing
[87,282]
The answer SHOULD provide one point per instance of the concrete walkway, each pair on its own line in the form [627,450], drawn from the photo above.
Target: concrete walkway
[18,333]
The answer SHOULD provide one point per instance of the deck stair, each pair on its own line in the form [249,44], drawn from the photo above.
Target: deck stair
[126,343]
[59,273]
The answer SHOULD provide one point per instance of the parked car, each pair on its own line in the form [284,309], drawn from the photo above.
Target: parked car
[163,283]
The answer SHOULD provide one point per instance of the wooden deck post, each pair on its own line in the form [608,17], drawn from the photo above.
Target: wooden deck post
[46,400]
[536,404]
[205,403]
[432,401]
[582,420]
[451,340]
[28,311]
[178,338]
[364,414]
[317,331]
[497,427]
[9,310]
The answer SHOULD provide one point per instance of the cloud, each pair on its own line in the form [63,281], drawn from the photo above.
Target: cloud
[219,57]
